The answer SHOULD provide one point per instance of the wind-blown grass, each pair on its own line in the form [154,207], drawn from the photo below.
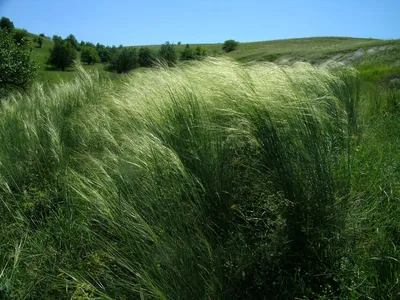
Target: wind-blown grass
[212,180]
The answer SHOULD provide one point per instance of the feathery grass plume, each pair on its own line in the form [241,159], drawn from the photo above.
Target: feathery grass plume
[210,180]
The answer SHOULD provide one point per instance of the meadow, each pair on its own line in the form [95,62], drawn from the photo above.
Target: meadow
[211,180]
[316,50]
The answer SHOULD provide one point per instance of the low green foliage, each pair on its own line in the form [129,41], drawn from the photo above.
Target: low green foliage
[17,67]
[230,45]
[20,36]
[192,54]
[168,53]
[89,55]
[124,60]
[39,40]
[146,57]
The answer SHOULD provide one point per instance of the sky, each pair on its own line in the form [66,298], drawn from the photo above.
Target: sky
[147,22]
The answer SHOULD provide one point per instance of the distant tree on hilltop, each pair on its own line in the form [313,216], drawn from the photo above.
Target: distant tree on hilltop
[6,24]
[230,45]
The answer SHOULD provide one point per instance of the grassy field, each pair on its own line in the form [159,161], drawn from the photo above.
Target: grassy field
[46,73]
[211,180]
[313,50]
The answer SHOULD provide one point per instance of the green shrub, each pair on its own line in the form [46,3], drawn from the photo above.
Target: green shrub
[230,45]
[89,55]
[6,24]
[168,53]
[39,40]
[20,36]
[188,53]
[146,57]
[123,60]
[17,68]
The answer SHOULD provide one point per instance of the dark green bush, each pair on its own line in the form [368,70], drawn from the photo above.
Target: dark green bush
[62,55]
[17,67]
[168,53]
[124,60]
[230,45]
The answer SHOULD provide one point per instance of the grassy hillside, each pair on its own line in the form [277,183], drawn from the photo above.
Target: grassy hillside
[212,180]
[377,53]
[313,50]
[47,73]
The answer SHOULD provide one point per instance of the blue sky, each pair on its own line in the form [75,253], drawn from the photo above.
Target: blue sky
[144,22]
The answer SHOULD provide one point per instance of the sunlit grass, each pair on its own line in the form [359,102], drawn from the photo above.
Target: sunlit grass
[212,180]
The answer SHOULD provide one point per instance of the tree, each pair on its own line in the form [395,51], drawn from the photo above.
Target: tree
[39,40]
[74,42]
[6,24]
[17,67]
[56,38]
[42,35]
[89,55]
[168,53]
[230,45]
[20,36]
[124,60]
[146,57]
[62,55]
[188,53]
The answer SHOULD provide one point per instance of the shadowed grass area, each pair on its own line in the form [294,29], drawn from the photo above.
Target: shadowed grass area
[213,180]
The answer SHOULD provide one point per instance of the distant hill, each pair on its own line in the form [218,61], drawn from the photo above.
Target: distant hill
[357,51]
[314,50]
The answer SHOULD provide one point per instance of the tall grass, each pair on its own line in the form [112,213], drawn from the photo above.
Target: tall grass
[213,180]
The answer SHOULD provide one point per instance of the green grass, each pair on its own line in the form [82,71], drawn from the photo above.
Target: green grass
[313,50]
[48,74]
[212,180]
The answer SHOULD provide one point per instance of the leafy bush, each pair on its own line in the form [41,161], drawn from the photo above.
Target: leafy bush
[20,36]
[168,53]
[17,67]
[188,53]
[39,40]
[89,55]
[124,60]
[6,24]
[62,55]
[200,52]
[230,45]
[146,57]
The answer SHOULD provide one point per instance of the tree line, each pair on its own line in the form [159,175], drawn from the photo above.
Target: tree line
[18,68]
[117,59]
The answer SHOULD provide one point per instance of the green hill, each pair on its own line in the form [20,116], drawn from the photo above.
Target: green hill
[371,54]
[47,73]
[314,50]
